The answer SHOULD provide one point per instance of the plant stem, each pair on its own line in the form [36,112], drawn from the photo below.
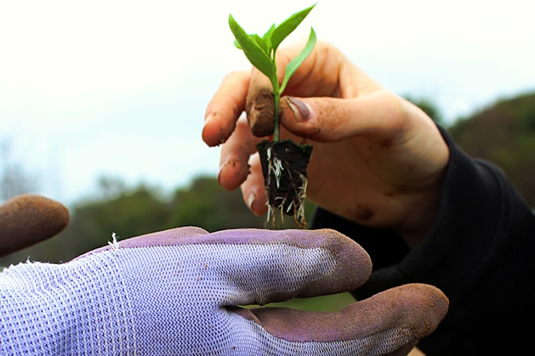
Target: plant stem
[276,99]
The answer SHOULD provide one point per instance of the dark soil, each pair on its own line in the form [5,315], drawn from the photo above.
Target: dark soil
[284,165]
[260,113]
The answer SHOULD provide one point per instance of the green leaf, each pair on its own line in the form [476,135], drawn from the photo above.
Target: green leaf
[288,26]
[299,59]
[254,53]
[267,37]
[260,42]
[237,44]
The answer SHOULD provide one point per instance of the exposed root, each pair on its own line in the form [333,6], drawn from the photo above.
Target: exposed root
[295,207]
[284,170]
[275,166]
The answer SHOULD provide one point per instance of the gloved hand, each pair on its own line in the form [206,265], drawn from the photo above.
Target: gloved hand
[28,219]
[178,292]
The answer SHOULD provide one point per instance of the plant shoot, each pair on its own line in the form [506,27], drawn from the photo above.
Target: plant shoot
[283,162]
[261,52]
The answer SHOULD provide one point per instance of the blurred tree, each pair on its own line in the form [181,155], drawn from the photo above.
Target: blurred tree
[110,187]
[132,212]
[429,107]
[115,207]
[504,133]
[207,205]
[14,180]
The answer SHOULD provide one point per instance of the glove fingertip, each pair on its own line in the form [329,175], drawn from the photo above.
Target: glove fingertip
[353,265]
[28,219]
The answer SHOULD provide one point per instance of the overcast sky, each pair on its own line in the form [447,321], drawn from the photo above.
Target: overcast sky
[119,88]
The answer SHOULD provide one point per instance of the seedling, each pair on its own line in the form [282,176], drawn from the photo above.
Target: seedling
[283,162]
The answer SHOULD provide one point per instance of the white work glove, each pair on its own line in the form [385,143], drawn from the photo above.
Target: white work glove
[177,292]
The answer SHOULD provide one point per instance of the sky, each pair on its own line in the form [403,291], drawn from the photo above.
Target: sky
[119,88]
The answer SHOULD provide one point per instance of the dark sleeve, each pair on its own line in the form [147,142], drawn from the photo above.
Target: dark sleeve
[480,253]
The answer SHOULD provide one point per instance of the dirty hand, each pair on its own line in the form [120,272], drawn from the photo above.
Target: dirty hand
[377,159]
[28,219]
[178,291]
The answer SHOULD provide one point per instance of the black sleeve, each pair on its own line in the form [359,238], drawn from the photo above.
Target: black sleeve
[480,253]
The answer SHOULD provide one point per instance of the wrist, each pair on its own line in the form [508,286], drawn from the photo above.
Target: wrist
[61,308]
[421,219]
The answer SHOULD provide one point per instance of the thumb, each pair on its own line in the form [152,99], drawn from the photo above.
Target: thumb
[259,105]
[326,119]
[390,322]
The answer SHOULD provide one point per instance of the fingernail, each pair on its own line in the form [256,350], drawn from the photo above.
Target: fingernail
[208,136]
[221,167]
[208,117]
[299,108]
[251,200]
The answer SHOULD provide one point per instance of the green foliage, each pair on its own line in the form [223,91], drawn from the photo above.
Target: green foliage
[327,303]
[261,52]
[116,208]
[504,133]
[429,107]
[297,61]
[254,48]
[207,205]
[133,211]
[288,26]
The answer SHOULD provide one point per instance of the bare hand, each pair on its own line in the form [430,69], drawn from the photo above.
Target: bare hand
[377,160]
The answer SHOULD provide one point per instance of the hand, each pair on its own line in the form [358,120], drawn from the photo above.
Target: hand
[377,159]
[178,292]
[28,219]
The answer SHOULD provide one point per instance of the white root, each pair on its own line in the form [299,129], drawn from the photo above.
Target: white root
[298,205]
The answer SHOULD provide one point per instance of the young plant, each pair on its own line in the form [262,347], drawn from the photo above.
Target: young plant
[261,52]
[283,162]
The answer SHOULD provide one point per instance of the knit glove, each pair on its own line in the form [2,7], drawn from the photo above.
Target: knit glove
[179,292]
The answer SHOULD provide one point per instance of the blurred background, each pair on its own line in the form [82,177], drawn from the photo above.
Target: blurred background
[102,102]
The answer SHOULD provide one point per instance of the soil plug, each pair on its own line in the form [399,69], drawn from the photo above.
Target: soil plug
[284,163]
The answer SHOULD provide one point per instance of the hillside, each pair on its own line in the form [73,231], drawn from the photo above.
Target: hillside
[504,133]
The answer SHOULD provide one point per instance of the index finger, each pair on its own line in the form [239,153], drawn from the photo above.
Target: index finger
[225,108]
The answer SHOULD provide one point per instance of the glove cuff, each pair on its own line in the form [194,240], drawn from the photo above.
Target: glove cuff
[64,309]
